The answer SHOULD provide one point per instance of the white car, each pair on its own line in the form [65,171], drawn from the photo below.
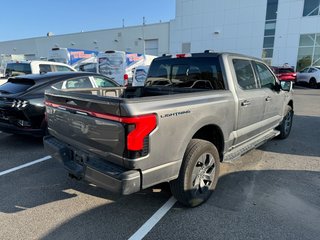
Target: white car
[309,75]
[16,68]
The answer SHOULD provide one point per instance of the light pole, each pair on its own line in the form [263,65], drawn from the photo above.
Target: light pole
[143,38]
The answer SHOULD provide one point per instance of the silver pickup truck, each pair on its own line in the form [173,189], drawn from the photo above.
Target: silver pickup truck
[194,111]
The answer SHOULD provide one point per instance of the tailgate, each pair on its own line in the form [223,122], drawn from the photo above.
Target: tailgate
[79,120]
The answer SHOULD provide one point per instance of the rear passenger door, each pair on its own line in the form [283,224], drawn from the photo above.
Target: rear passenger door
[273,99]
[251,101]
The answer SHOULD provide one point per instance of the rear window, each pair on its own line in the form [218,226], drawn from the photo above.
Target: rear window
[189,72]
[286,70]
[16,69]
[16,86]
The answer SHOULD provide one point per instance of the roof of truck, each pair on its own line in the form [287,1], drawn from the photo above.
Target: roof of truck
[207,53]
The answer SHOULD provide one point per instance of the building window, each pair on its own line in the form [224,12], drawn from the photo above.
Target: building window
[309,51]
[267,53]
[272,8]
[270,30]
[311,8]
[268,42]
[152,47]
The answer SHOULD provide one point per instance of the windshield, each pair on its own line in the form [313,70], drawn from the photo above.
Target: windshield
[16,86]
[16,69]
[189,72]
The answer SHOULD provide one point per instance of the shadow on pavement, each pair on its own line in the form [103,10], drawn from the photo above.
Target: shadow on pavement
[254,200]
[13,141]
[298,143]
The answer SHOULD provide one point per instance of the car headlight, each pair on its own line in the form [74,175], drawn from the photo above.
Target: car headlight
[20,104]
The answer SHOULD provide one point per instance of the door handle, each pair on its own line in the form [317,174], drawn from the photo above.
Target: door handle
[245,103]
[268,99]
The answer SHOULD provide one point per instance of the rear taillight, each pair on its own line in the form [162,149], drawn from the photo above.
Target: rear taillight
[125,79]
[143,126]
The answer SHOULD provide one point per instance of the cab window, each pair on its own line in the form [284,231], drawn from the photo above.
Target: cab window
[88,67]
[45,68]
[186,72]
[16,69]
[63,69]
[244,73]
[266,78]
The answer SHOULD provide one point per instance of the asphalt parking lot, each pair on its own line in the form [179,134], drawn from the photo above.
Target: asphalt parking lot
[270,193]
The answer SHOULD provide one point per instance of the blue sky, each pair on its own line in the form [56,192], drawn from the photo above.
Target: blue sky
[34,18]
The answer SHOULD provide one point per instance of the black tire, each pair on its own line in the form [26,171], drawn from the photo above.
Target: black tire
[313,83]
[198,175]
[286,124]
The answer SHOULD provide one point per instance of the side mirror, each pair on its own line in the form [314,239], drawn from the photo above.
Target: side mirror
[277,87]
[286,85]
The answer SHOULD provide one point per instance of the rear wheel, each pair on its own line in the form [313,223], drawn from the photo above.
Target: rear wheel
[286,124]
[198,175]
[313,83]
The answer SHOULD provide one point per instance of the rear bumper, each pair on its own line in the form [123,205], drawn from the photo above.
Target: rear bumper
[293,79]
[84,166]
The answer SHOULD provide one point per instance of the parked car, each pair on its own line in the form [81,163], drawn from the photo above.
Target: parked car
[23,67]
[310,76]
[285,73]
[194,111]
[17,68]
[22,98]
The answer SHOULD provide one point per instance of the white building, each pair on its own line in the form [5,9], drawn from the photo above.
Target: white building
[279,31]
[152,39]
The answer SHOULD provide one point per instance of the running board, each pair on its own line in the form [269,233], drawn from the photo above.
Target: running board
[254,143]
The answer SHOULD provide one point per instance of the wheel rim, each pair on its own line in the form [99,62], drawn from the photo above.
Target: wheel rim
[313,83]
[203,173]
[288,122]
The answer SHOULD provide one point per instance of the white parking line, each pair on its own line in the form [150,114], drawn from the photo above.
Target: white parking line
[156,217]
[25,165]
